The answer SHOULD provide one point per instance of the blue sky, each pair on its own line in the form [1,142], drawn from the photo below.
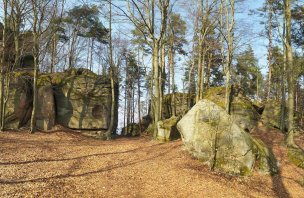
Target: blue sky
[249,24]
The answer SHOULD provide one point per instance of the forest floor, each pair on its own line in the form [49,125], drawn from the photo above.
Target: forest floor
[66,164]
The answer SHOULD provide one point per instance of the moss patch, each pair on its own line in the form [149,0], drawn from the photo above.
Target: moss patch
[150,129]
[44,80]
[266,161]
[296,156]
[169,123]
[301,182]
[216,95]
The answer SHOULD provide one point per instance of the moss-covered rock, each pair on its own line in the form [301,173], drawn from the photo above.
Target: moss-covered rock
[83,101]
[296,156]
[242,109]
[167,129]
[215,138]
[216,95]
[266,162]
[149,130]
[19,100]
[45,115]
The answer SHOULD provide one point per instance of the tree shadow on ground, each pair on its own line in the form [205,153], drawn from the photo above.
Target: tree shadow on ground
[276,178]
[79,157]
[101,170]
[277,181]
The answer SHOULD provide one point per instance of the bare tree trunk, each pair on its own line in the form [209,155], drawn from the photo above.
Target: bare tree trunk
[72,50]
[36,65]
[229,56]
[203,75]
[257,85]
[126,88]
[269,35]
[169,73]
[2,75]
[199,70]
[88,53]
[113,100]
[133,103]
[208,72]
[162,76]
[91,54]
[138,90]
[173,104]
[283,80]
[290,75]
[156,92]
[54,53]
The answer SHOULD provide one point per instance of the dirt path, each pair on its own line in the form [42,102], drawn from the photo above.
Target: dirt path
[69,165]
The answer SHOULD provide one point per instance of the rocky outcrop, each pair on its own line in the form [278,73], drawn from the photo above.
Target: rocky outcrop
[166,129]
[77,99]
[243,111]
[83,100]
[215,138]
[19,101]
[45,115]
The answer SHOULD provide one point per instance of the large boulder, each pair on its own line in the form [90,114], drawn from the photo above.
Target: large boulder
[45,115]
[19,101]
[166,129]
[83,100]
[215,138]
[243,111]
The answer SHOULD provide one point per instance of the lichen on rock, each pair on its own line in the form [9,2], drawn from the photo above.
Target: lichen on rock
[213,137]
[167,129]
[242,109]
[296,156]
[83,101]
[19,101]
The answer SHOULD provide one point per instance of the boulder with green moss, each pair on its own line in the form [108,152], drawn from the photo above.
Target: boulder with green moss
[45,115]
[296,156]
[83,100]
[242,109]
[131,129]
[166,129]
[19,101]
[215,138]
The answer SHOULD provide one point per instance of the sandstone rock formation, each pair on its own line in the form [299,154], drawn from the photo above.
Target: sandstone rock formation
[167,129]
[215,138]
[19,101]
[242,109]
[45,117]
[77,99]
[83,101]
